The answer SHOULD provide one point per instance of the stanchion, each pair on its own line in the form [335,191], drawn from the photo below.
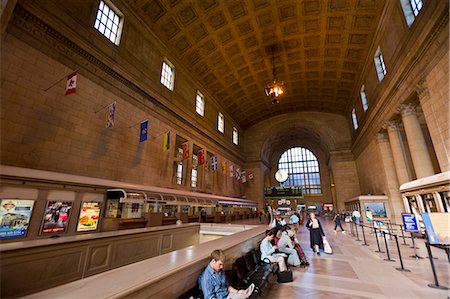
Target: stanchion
[364,236]
[414,246]
[400,257]
[403,235]
[436,282]
[378,243]
[351,225]
[390,230]
[357,234]
[387,248]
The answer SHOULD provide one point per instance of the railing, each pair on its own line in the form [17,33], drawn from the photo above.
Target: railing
[391,232]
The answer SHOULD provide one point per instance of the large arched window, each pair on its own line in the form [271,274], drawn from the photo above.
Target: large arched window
[303,169]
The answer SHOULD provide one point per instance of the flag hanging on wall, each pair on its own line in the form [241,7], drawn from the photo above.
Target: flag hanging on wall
[166,141]
[144,131]
[186,150]
[201,157]
[214,163]
[231,171]
[71,84]
[238,174]
[110,113]
[224,167]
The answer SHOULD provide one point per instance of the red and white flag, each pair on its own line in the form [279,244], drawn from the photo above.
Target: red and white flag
[185,147]
[71,84]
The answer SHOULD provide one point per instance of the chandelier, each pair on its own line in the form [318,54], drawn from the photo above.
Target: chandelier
[274,90]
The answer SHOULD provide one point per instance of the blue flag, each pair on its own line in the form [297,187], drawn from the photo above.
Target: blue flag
[144,129]
[214,163]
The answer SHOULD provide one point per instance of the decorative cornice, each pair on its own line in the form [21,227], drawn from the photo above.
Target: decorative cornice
[61,46]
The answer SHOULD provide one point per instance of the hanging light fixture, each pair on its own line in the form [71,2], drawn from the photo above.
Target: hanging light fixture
[274,90]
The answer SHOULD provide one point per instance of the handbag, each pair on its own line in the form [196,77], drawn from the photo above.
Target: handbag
[326,247]
[285,276]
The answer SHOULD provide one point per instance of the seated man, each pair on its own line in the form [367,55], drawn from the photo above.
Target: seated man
[213,282]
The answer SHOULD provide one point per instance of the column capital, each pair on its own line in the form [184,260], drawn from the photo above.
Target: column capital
[407,109]
[392,125]
[422,90]
[382,137]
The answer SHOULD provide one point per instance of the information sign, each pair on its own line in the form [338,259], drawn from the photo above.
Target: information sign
[410,222]
[436,226]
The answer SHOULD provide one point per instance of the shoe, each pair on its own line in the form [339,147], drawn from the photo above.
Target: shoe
[344,232]
[318,253]
[334,231]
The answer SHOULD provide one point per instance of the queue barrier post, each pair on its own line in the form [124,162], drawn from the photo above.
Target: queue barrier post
[400,257]
[390,230]
[387,248]
[357,234]
[364,235]
[416,256]
[403,235]
[378,242]
[434,285]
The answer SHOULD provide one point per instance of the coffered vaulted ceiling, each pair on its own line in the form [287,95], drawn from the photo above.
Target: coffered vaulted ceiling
[320,49]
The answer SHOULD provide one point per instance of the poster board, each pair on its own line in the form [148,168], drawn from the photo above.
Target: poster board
[15,217]
[89,216]
[56,216]
[377,208]
[410,222]
[437,227]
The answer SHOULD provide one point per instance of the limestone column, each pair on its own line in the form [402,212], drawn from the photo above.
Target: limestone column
[416,141]
[398,151]
[392,185]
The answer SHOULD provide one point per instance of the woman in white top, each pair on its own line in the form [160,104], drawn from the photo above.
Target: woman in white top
[286,245]
[315,233]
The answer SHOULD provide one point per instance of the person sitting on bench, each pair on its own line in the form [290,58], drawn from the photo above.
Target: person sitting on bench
[268,251]
[214,284]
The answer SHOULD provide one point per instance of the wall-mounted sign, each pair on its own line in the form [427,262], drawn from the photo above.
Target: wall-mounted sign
[271,192]
[377,208]
[15,216]
[89,214]
[410,222]
[56,216]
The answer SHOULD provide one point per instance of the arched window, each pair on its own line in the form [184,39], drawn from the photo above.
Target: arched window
[303,169]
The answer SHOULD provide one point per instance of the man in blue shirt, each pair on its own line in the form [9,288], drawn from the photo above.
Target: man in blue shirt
[213,282]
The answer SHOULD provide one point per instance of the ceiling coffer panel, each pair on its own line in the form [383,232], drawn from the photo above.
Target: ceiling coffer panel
[320,46]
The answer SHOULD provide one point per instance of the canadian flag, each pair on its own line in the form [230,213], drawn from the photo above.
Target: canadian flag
[71,85]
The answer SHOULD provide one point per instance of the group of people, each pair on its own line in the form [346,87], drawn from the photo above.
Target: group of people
[280,245]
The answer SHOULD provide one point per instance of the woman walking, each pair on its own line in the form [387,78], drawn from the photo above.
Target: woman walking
[337,221]
[315,233]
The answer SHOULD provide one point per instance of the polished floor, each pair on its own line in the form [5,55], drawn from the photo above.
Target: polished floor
[357,271]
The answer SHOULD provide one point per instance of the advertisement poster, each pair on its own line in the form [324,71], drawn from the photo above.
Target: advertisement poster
[89,214]
[377,209]
[436,225]
[14,217]
[379,224]
[56,216]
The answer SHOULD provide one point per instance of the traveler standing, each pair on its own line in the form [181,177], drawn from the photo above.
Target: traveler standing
[315,233]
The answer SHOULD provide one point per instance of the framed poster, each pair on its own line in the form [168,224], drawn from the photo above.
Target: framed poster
[377,208]
[56,216]
[88,218]
[15,217]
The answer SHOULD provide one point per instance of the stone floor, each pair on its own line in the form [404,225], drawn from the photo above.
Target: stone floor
[357,271]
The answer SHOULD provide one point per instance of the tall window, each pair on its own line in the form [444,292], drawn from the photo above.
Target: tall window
[411,9]
[200,104]
[379,64]
[168,75]
[354,119]
[221,123]
[302,168]
[235,136]
[364,103]
[108,22]
[194,171]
